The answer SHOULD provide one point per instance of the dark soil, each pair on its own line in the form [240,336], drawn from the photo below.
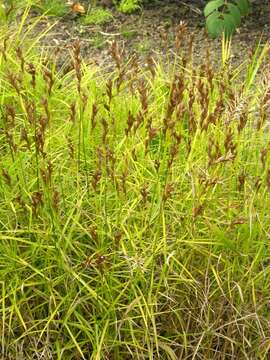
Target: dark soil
[152,30]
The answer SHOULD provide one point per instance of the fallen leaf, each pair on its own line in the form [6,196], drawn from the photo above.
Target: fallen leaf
[78,8]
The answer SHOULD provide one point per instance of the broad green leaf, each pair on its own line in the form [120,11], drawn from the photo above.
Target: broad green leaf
[235,12]
[243,6]
[229,24]
[213,6]
[215,24]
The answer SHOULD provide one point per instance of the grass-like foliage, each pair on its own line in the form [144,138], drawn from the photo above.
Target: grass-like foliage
[134,207]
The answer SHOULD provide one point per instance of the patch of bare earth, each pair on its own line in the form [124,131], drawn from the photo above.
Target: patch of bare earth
[152,31]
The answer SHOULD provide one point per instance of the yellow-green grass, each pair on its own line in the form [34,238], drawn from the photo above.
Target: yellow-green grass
[134,208]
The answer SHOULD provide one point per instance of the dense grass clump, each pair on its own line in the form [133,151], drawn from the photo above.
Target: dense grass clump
[134,207]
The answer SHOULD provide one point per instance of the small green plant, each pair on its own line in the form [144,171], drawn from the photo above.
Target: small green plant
[97,16]
[225,16]
[143,46]
[53,7]
[129,6]
[98,41]
[129,33]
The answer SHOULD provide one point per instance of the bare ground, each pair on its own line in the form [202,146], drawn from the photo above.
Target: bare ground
[152,31]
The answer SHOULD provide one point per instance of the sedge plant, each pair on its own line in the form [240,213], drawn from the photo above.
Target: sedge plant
[134,206]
